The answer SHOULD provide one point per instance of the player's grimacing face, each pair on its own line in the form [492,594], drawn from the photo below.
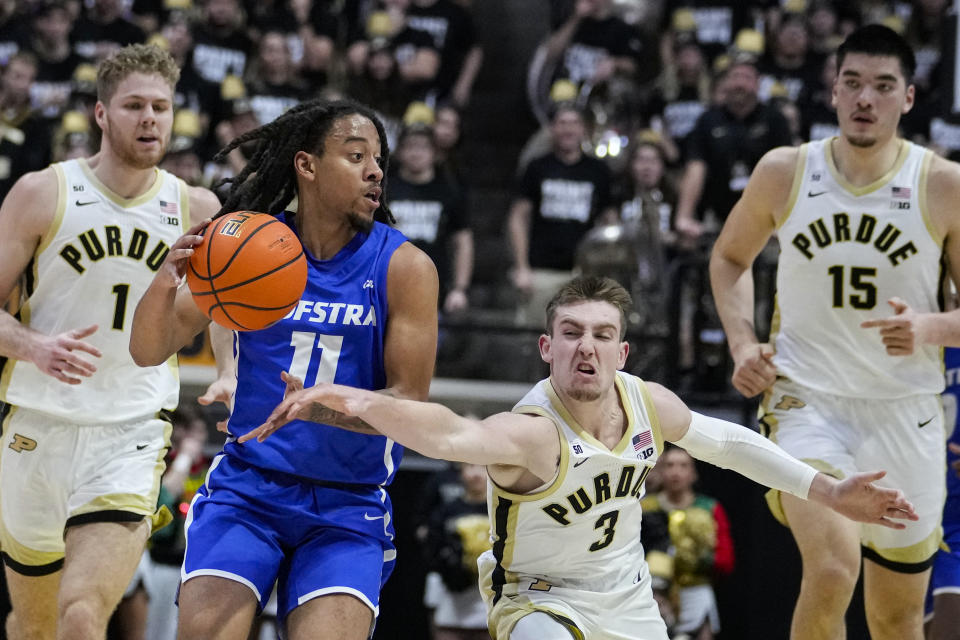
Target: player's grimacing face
[349,172]
[584,351]
[137,119]
[870,95]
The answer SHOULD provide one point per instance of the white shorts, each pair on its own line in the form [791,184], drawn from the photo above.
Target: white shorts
[628,613]
[697,605]
[55,474]
[841,436]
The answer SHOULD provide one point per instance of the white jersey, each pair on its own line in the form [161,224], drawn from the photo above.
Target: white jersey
[582,530]
[845,251]
[92,267]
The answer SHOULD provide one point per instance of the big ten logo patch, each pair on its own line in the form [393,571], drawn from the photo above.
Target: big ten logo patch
[232,226]
[22,443]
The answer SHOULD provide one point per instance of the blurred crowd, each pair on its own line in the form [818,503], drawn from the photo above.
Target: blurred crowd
[652,117]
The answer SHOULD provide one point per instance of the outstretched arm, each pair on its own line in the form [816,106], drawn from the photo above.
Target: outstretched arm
[426,427]
[732,446]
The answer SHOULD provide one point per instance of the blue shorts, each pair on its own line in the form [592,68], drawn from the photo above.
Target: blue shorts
[258,527]
[945,577]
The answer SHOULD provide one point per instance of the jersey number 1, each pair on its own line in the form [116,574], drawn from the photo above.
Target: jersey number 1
[303,356]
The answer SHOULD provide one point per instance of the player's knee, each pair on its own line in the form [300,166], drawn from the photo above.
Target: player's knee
[831,581]
[86,616]
[894,622]
[18,628]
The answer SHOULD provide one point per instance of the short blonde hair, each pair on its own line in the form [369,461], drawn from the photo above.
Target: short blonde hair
[135,58]
[591,288]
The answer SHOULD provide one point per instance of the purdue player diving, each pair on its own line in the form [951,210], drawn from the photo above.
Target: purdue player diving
[863,220]
[83,445]
[567,467]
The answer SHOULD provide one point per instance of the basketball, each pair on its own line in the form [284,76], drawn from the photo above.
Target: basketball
[248,272]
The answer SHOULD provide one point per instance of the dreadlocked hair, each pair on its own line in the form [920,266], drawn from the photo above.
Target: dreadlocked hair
[268,182]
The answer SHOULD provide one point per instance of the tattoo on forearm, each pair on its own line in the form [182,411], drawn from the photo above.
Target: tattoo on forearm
[324,414]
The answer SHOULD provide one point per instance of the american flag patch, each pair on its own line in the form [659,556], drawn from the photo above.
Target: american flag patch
[901,192]
[170,208]
[642,440]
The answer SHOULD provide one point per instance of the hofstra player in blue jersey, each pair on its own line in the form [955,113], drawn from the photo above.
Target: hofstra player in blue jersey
[943,594]
[308,510]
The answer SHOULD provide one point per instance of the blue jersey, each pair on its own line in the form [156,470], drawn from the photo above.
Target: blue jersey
[951,400]
[335,334]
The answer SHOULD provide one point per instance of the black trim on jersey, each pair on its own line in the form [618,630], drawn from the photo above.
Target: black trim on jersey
[899,567]
[111,515]
[31,570]
[501,514]
[942,282]
[29,284]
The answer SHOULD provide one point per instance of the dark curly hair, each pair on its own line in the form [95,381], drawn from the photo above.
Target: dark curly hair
[268,182]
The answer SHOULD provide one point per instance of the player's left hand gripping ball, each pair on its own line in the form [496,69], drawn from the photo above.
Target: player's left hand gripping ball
[249,271]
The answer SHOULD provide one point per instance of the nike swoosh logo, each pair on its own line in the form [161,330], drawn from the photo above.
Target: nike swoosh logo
[83,204]
[141,447]
[925,423]
[811,194]
[580,462]
[367,516]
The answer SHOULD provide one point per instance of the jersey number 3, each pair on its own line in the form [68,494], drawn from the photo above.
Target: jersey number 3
[305,360]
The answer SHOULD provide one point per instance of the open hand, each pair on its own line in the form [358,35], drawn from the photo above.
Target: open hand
[902,332]
[303,404]
[220,390]
[858,498]
[58,355]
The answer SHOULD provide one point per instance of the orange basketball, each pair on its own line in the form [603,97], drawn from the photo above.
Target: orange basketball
[248,272]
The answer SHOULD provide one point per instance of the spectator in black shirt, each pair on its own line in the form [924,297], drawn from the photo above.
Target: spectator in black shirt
[818,117]
[416,58]
[380,86]
[192,91]
[716,22]
[102,29]
[221,47]
[454,36]
[561,196]
[446,132]
[273,82]
[50,43]
[788,62]
[12,29]
[725,145]
[310,28]
[430,211]
[681,95]
[593,45]
[25,143]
